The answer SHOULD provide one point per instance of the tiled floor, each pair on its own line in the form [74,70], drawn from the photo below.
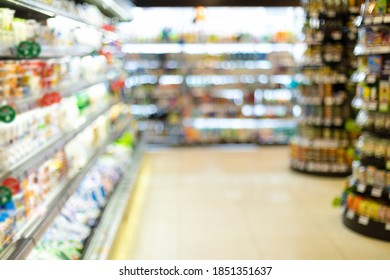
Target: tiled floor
[238,203]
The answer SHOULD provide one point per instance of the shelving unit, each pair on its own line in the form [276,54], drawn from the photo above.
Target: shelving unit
[100,243]
[325,91]
[99,114]
[235,86]
[45,10]
[366,200]
[37,225]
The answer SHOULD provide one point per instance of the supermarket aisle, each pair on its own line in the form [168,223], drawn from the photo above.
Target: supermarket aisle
[236,203]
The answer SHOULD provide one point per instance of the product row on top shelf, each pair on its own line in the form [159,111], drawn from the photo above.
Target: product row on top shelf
[366,200]
[99,15]
[325,90]
[53,37]
[70,234]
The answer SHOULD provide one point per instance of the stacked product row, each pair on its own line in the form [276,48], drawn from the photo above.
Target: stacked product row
[25,78]
[203,98]
[30,37]
[68,235]
[366,200]
[325,132]
[59,83]
[36,185]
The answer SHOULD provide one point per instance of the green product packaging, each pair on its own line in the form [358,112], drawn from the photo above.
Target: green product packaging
[381,7]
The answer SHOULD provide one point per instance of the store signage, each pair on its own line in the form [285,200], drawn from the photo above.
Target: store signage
[27,49]
[7,114]
[12,184]
[5,195]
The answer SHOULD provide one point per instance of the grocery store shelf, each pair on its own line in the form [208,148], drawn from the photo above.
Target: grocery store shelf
[321,122]
[384,133]
[366,50]
[226,65]
[48,52]
[354,9]
[204,80]
[211,48]
[327,14]
[359,77]
[51,11]
[50,147]
[380,194]
[331,169]
[319,143]
[321,79]
[66,90]
[319,101]
[372,20]
[62,51]
[38,225]
[365,225]
[358,103]
[226,123]
[100,242]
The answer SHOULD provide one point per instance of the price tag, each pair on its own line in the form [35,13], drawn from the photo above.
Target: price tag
[319,36]
[354,10]
[377,20]
[328,100]
[338,121]
[361,188]
[326,167]
[350,214]
[328,57]
[331,13]
[371,79]
[5,195]
[7,114]
[368,20]
[344,167]
[376,192]
[327,122]
[363,220]
[386,19]
[351,35]
[372,106]
[12,184]
[337,35]
[387,227]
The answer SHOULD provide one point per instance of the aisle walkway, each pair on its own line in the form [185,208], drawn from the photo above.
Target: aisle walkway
[236,203]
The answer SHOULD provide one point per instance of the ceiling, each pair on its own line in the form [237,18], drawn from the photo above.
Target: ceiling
[226,3]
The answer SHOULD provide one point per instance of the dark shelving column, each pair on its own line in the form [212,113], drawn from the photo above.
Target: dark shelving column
[325,129]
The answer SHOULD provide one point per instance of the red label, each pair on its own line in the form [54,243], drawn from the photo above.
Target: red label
[56,97]
[50,98]
[117,85]
[12,184]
